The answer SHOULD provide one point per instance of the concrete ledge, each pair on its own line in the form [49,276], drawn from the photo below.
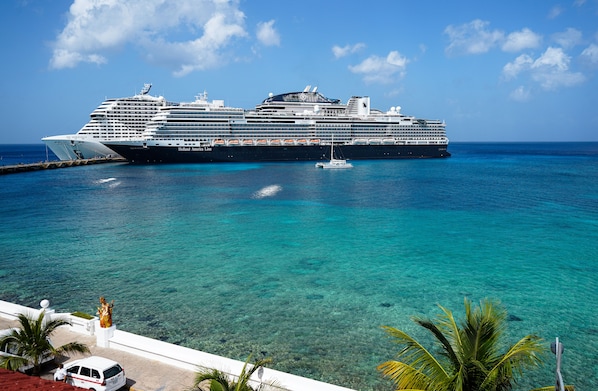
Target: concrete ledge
[11,311]
[193,360]
[81,325]
[171,354]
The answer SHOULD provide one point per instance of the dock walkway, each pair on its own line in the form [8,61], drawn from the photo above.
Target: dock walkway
[50,165]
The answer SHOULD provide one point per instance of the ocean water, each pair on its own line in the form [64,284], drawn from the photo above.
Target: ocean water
[304,265]
[11,154]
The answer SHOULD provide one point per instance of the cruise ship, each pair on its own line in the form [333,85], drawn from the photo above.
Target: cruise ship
[114,119]
[293,126]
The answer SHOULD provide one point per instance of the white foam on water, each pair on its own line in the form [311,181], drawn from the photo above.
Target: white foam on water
[268,191]
[106,180]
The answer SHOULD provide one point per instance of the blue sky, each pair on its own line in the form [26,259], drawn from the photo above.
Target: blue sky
[512,70]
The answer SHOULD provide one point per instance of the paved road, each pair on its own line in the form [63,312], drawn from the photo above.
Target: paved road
[142,374]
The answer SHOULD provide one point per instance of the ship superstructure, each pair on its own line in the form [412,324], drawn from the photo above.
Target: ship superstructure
[113,119]
[286,127]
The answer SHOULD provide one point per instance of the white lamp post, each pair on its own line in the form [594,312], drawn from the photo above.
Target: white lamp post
[558,348]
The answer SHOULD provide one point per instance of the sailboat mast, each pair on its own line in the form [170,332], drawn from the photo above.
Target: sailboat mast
[332,149]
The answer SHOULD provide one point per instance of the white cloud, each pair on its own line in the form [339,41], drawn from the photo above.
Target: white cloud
[553,58]
[65,59]
[555,12]
[550,70]
[520,94]
[472,38]
[521,63]
[267,35]
[346,50]
[519,40]
[185,35]
[568,38]
[383,70]
[590,54]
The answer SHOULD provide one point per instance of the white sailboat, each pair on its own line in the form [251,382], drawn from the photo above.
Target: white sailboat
[334,163]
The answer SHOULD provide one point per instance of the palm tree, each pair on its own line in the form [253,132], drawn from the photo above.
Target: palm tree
[31,342]
[469,358]
[220,381]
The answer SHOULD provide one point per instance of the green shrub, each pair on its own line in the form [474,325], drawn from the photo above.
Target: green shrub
[83,315]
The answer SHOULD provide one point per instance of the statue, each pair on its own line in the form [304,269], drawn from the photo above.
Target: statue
[105,312]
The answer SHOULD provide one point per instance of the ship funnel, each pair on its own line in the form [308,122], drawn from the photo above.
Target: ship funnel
[146,88]
[315,89]
[307,88]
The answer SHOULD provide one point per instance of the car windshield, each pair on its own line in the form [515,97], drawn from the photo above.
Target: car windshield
[112,371]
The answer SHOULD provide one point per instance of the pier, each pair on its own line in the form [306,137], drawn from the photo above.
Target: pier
[50,165]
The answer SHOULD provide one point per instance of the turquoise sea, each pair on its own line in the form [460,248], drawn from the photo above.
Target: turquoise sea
[305,265]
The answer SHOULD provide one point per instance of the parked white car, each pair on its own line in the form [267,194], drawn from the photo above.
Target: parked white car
[96,373]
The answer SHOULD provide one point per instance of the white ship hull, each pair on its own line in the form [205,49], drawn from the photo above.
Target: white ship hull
[71,147]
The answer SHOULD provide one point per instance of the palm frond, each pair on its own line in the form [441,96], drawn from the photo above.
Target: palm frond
[13,363]
[525,354]
[72,347]
[417,355]
[405,376]
[219,381]
[450,329]
[445,334]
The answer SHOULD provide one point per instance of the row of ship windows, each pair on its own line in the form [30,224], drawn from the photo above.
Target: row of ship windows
[224,130]
[191,139]
[146,112]
[250,133]
[299,131]
[297,135]
[277,127]
[142,104]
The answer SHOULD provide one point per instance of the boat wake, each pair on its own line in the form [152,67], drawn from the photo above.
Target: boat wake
[111,182]
[267,191]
